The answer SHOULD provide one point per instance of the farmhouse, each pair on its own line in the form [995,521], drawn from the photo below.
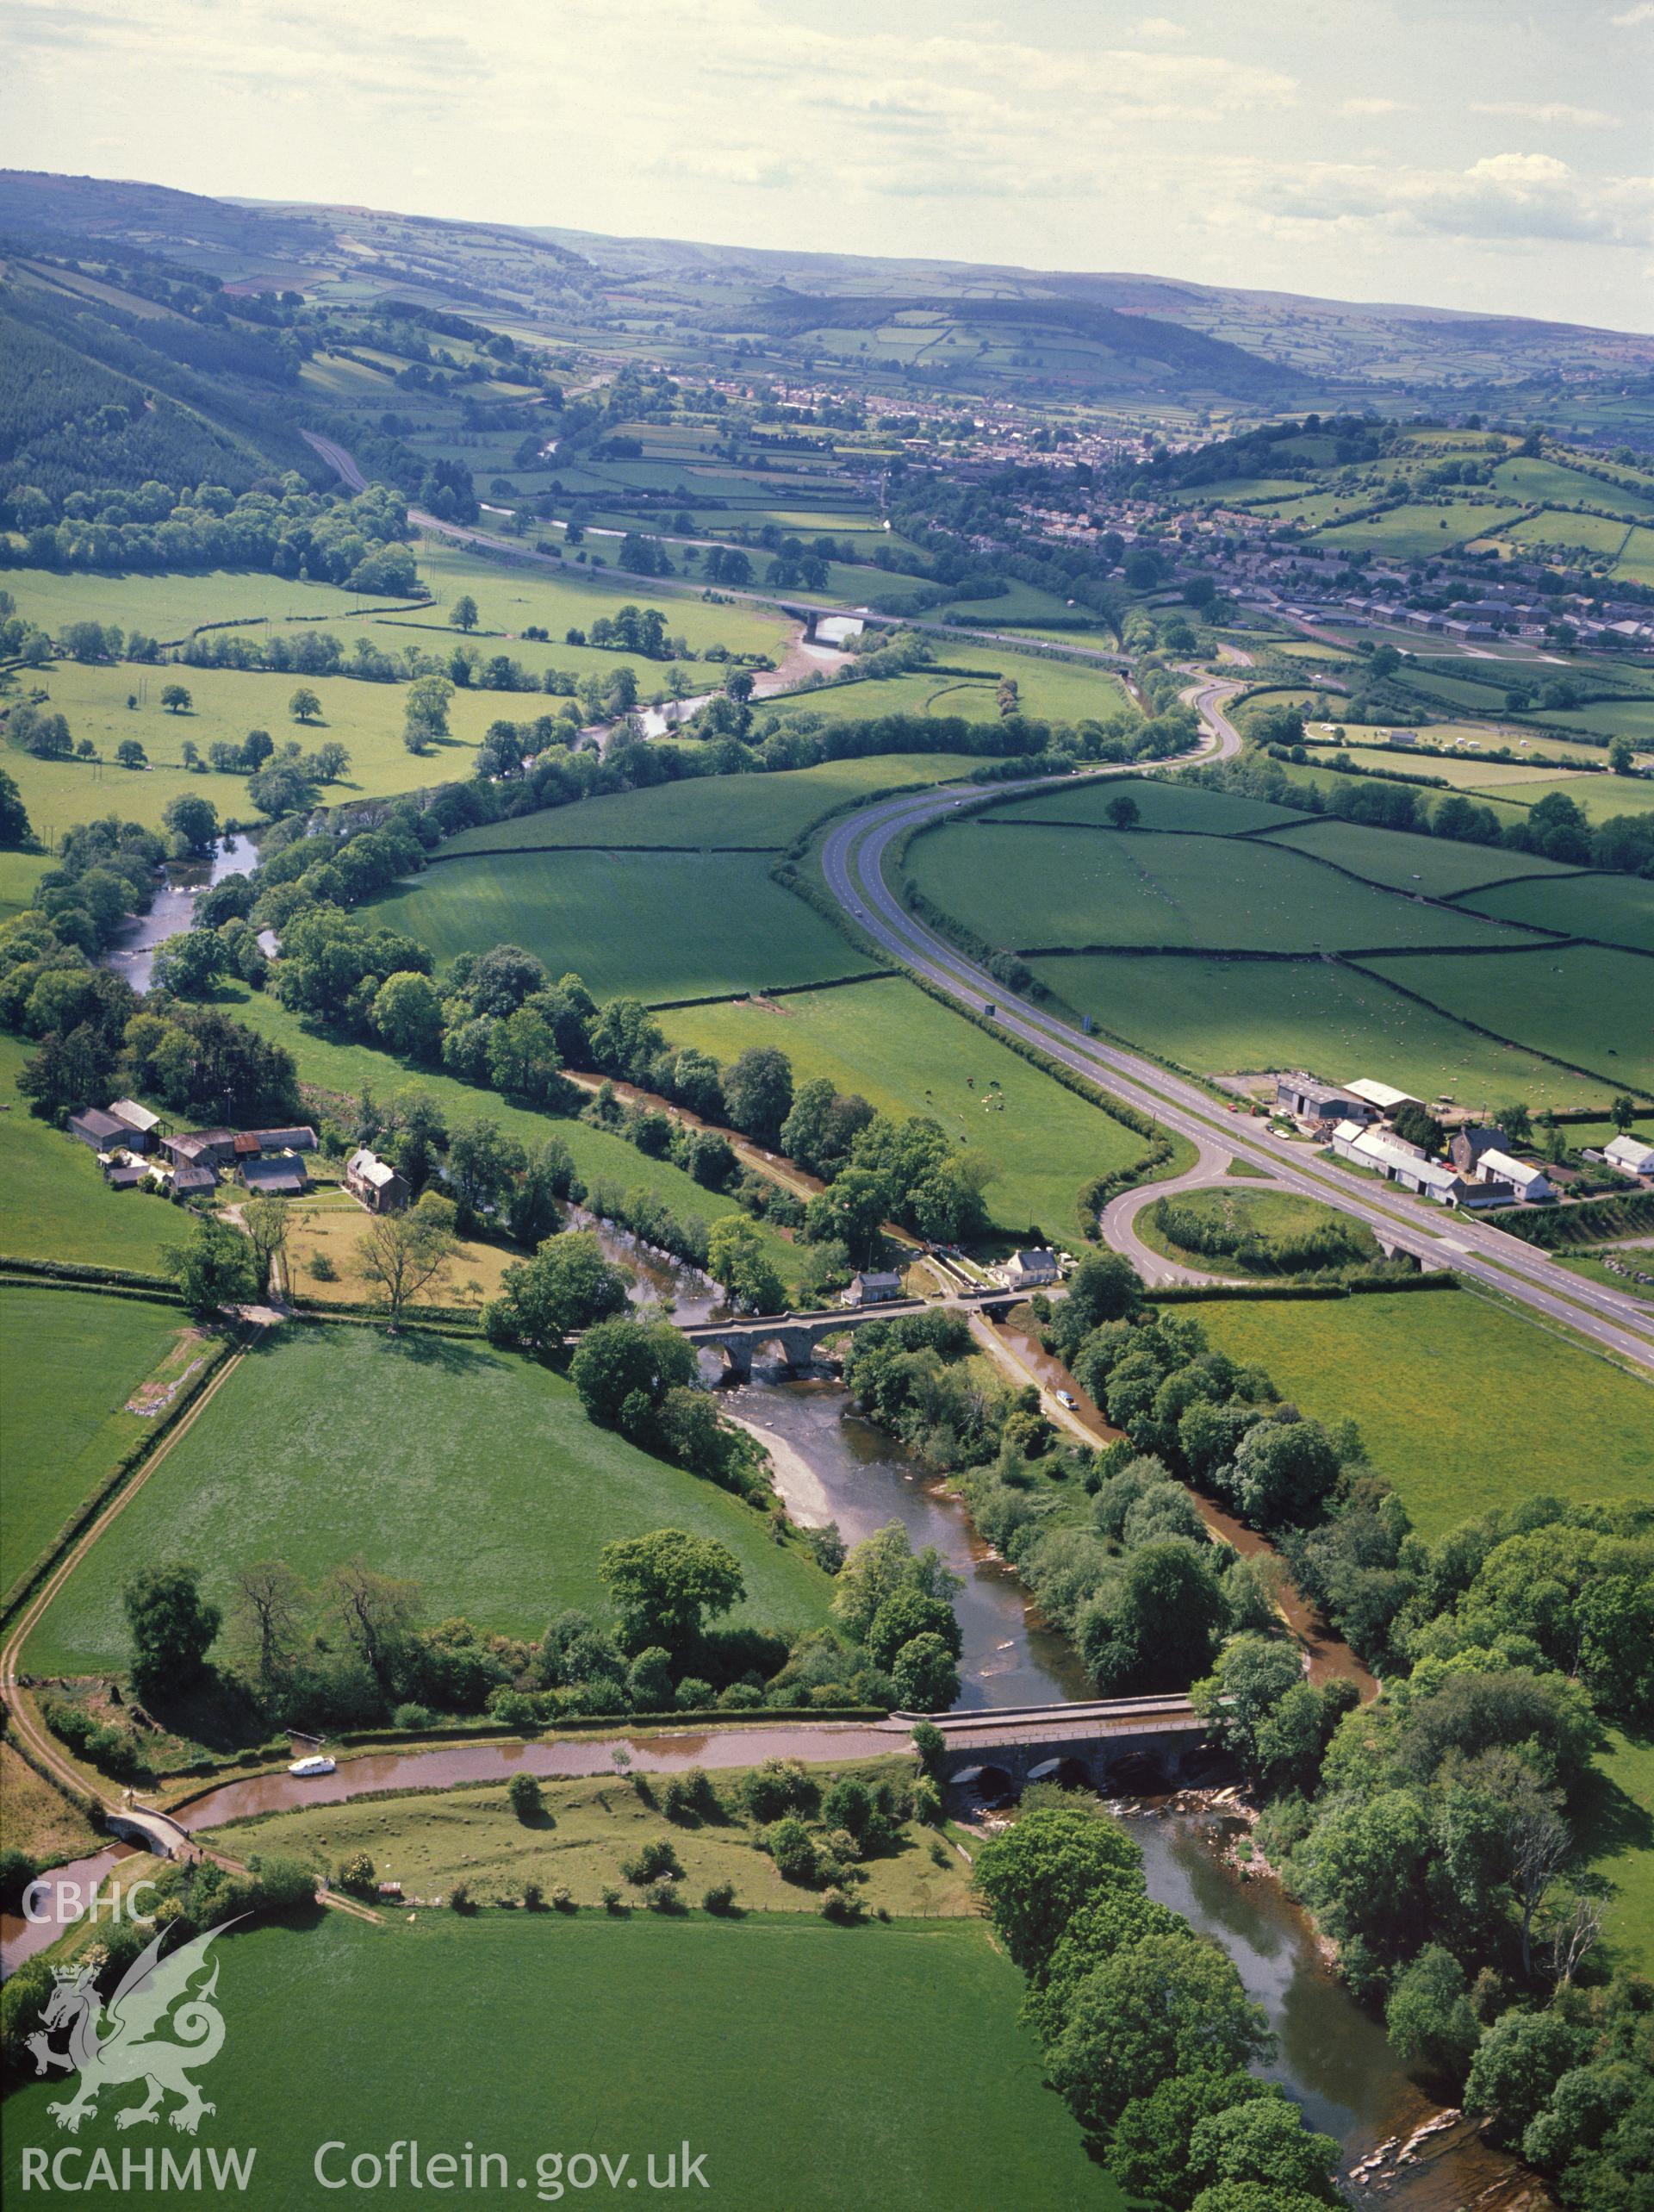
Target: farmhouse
[1024,1270]
[1632,1156]
[1406,1165]
[1470,1142]
[872,1288]
[1315,1104]
[1530,1183]
[374,1181]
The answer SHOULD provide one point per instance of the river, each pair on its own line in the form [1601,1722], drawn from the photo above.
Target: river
[132,954]
[831,1465]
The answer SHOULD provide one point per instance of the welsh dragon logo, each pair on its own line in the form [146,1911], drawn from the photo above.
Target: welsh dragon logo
[133,2051]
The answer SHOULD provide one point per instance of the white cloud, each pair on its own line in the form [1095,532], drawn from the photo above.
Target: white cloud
[1550,111]
[1510,198]
[1375,107]
[1161,26]
[1643,13]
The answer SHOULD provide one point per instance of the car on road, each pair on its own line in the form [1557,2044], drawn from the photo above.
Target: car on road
[1066,1398]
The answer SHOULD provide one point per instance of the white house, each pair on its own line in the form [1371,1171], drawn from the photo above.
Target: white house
[1632,1156]
[1027,1270]
[1531,1184]
[374,1181]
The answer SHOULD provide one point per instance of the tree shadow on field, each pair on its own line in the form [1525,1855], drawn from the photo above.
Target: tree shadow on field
[451,1355]
[1612,1823]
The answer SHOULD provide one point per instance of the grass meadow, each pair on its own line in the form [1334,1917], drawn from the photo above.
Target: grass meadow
[1217,1016]
[906,1053]
[1022,886]
[170,607]
[1597,797]
[1420,528]
[1614,909]
[1618,1833]
[428,1842]
[19,875]
[801,2059]
[651,925]
[762,811]
[69,1361]
[54,1204]
[473,1473]
[1587,1004]
[510,599]
[1462,1403]
[352,1069]
[1270,1215]
[1160,806]
[1434,867]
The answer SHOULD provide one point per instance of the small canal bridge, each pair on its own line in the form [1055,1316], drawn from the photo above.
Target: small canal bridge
[1109,1745]
[796,1336]
[151,1831]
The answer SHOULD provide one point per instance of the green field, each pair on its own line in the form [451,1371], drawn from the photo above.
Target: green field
[908,1055]
[1632,717]
[1160,806]
[510,598]
[54,1205]
[1433,868]
[1527,476]
[1420,528]
[801,2059]
[428,1842]
[69,1362]
[1462,1404]
[1588,1005]
[767,811]
[366,719]
[170,607]
[650,926]
[1618,1833]
[1597,797]
[1023,887]
[474,1473]
[353,1069]
[19,873]
[1217,1016]
[1271,1216]
[1615,909]
[1327,781]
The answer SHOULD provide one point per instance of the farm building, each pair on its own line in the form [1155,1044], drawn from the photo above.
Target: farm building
[144,1126]
[374,1181]
[872,1288]
[1384,1096]
[202,1147]
[1318,1105]
[301,1139]
[125,1174]
[1406,1165]
[103,1131]
[1632,1156]
[282,1175]
[1027,1270]
[190,1179]
[1530,1183]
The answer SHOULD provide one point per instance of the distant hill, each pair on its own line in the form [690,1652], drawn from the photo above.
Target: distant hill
[1111,337]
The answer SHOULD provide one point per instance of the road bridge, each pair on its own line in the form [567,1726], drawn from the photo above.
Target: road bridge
[151,1831]
[797,1336]
[1109,1745]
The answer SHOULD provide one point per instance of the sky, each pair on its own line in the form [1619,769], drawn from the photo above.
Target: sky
[1483,154]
